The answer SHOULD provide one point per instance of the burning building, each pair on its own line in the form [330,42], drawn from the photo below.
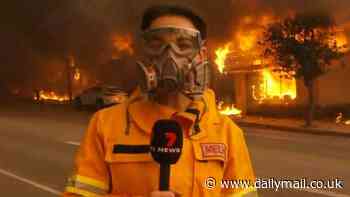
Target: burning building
[258,82]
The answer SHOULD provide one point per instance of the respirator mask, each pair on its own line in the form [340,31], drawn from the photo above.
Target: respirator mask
[170,63]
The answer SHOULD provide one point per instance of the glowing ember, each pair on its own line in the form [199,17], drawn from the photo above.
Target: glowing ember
[274,85]
[221,55]
[51,96]
[77,74]
[347,122]
[230,110]
[123,44]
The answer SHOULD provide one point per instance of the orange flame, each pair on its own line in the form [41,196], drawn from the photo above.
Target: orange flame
[341,41]
[247,39]
[51,95]
[273,85]
[77,74]
[221,55]
[258,62]
[243,47]
[229,110]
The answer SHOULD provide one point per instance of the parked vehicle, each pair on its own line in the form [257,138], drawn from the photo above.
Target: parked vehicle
[100,96]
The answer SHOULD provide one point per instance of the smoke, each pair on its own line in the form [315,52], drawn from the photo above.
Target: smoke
[35,33]
[223,16]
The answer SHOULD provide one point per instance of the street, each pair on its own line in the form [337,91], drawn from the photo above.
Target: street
[37,148]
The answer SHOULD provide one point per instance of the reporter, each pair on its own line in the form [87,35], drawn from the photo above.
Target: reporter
[114,159]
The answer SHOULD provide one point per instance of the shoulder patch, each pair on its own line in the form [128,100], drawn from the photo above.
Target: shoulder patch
[213,150]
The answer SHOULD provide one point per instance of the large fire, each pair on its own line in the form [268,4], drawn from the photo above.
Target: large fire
[243,48]
[50,96]
[243,51]
[274,85]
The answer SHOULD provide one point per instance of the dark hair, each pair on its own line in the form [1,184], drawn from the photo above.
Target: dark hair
[157,11]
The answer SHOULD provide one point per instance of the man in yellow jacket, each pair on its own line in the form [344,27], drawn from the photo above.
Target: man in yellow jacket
[114,159]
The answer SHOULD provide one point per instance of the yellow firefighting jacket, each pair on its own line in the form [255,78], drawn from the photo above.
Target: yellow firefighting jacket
[113,158]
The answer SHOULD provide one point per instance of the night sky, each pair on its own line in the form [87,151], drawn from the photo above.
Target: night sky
[37,36]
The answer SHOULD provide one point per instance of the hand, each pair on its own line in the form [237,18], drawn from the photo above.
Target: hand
[162,194]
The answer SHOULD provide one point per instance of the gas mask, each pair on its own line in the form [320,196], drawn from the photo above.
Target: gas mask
[170,62]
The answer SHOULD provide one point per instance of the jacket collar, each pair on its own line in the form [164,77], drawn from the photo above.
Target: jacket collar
[145,113]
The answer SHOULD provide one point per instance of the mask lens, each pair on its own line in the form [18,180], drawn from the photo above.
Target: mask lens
[182,41]
[185,46]
[154,45]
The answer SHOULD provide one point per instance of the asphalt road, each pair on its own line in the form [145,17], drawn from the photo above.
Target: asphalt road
[37,147]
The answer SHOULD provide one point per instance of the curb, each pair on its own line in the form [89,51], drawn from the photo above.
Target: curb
[314,131]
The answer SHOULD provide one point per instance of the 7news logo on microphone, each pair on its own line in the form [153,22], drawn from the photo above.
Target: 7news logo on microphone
[171,137]
[166,141]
